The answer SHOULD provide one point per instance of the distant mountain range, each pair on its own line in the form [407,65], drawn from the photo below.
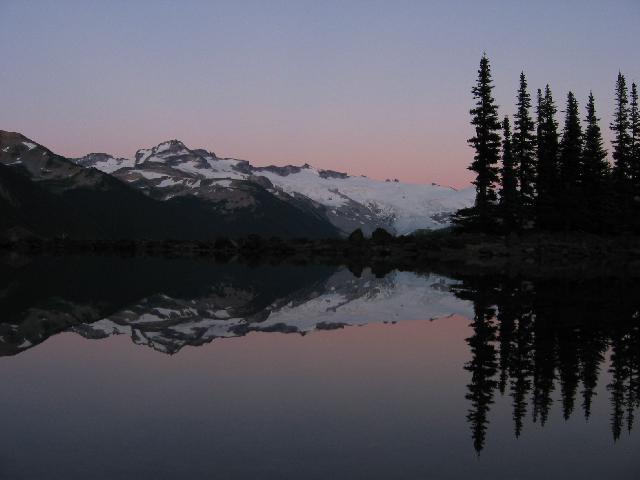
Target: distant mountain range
[171,191]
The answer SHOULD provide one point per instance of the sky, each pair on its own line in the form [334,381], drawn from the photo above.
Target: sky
[376,88]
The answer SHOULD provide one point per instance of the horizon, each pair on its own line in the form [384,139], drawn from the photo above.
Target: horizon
[255,85]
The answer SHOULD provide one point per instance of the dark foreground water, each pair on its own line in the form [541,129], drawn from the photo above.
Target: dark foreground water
[148,368]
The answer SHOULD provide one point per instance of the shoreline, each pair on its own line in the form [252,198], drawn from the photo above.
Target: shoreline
[534,254]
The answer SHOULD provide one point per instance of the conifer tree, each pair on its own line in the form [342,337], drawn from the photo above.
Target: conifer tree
[547,159]
[595,167]
[524,144]
[594,172]
[486,143]
[621,142]
[620,127]
[570,145]
[634,130]
[539,122]
[509,199]
[569,194]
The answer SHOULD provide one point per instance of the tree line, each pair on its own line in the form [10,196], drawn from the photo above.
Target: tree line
[532,176]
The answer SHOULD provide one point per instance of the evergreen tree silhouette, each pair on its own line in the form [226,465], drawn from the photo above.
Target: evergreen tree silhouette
[570,200]
[571,143]
[634,131]
[620,127]
[509,199]
[594,175]
[547,158]
[634,157]
[524,145]
[622,154]
[486,144]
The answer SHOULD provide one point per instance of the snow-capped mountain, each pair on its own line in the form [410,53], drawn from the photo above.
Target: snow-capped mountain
[165,192]
[362,202]
[171,169]
[107,163]
[171,191]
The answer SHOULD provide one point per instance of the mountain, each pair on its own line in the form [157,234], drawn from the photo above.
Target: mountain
[46,194]
[172,191]
[171,170]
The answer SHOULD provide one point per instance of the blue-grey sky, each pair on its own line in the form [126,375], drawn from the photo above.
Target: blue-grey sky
[371,87]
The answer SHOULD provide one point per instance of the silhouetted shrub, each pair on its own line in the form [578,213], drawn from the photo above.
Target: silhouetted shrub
[381,236]
[356,237]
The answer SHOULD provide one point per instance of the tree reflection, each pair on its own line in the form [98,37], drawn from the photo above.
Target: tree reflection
[533,338]
[483,367]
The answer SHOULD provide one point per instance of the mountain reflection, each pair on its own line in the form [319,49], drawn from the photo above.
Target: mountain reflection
[168,305]
[533,337]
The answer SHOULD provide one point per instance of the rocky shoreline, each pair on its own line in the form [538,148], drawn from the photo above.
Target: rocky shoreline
[464,253]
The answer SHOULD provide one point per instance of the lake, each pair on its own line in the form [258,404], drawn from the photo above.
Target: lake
[119,368]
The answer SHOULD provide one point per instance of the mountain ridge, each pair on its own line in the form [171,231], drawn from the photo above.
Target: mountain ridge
[348,202]
[75,199]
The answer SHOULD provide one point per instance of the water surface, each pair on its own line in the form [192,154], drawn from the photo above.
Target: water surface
[149,368]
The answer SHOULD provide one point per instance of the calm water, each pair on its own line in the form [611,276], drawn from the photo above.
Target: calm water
[149,368]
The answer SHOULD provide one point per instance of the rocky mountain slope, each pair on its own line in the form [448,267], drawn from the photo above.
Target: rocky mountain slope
[45,194]
[170,169]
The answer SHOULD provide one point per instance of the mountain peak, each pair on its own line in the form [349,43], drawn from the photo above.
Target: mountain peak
[14,139]
[172,146]
[170,150]
[169,147]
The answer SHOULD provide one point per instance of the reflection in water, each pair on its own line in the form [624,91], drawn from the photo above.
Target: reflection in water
[530,339]
[168,305]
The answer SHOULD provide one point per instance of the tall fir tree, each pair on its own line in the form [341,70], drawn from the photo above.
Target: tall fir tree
[539,121]
[620,127]
[547,183]
[594,171]
[570,200]
[524,145]
[634,131]
[621,142]
[486,143]
[570,145]
[509,198]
